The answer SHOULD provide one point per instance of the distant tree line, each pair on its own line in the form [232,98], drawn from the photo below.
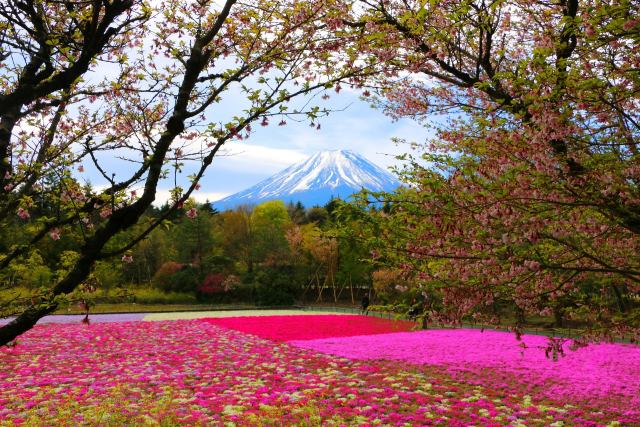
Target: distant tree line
[270,254]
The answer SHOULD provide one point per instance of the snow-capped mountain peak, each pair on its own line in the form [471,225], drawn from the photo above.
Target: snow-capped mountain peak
[326,174]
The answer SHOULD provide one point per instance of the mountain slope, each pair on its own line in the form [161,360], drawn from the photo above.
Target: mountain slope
[315,181]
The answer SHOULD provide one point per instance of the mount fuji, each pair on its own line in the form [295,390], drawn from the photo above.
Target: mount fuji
[315,181]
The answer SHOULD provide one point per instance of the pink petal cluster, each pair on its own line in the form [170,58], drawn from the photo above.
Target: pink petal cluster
[192,213]
[24,214]
[54,234]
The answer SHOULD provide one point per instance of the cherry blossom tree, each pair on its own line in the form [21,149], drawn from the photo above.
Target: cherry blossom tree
[154,84]
[526,194]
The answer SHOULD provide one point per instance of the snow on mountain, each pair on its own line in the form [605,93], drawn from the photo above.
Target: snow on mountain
[314,181]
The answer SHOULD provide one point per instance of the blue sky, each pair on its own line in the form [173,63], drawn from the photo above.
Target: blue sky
[354,125]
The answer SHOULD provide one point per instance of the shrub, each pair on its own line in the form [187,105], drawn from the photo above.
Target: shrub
[211,288]
[275,287]
[212,284]
[162,278]
[216,287]
[185,280]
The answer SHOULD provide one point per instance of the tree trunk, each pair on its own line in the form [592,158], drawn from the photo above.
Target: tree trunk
[353,300]
[21,324]
[520,318]
[558,318]
[333,286]
[622,306]
[320,288]
[7,123]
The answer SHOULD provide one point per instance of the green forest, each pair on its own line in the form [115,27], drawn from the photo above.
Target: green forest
[271,254]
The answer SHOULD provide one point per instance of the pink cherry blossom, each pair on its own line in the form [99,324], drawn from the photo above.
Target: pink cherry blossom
[192,213]
[24,214]
[54,234]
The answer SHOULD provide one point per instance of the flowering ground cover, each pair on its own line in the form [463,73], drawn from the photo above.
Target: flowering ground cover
[285,328]
[605,375]
[194,372]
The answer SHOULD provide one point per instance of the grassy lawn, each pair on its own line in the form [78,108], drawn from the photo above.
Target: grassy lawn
[151,308]
[113,301]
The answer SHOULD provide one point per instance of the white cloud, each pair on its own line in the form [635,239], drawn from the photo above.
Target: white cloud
[245,156]
[164,195]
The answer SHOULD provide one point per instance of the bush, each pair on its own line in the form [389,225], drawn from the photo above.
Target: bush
[142,296]
[217,288]
[275,287]
[273,296]
[184,280]
[154,296]
[211,288]
[162,278]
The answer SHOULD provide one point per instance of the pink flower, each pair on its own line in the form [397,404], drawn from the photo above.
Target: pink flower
[127,258]
[630,24]
[106,212]
[589,31]
[229,372]
[192,213]
[55,234]
[23,213]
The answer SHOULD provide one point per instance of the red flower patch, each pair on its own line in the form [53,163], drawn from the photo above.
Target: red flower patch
[285,328]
